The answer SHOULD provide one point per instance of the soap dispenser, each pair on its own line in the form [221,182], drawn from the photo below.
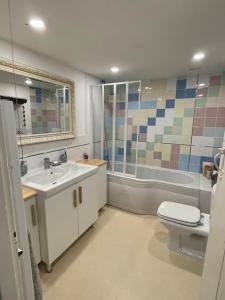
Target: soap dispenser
[63,157]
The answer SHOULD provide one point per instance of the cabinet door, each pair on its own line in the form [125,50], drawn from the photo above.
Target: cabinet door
[32,225]
[61,222]
[88,203]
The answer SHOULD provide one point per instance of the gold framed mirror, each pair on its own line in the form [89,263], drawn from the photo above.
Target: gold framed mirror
[44,103]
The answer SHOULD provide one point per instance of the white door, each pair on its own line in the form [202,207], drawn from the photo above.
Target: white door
[15,271]
[213,280]
[88,203]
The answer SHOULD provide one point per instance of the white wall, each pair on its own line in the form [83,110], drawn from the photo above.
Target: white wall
[82,98]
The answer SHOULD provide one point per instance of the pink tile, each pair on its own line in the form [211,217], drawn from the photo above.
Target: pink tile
[215,80]
[221,112]
[210,122]
[202,91]
[142,137]
[174,156]
[200,112]
[197,131]
[165,164]
[198,122]
[211,112]
[175,148]
[174,164]
[220,122]
[129,121]
[157,155]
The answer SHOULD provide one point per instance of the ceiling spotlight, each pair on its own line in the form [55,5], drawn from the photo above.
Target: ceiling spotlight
[198,56]
[201,84]
[200,95]
[114,69]
[37,24]
[148,88]
[28,81]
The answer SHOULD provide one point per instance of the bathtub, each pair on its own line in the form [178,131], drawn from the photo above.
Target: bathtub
[142,194]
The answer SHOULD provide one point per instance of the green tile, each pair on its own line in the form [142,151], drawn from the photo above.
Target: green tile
[150,146]
[168,130]
[158,138]
[213,91]
[178,121]
[188,112]
[141,153]
[176,130]
[201,102]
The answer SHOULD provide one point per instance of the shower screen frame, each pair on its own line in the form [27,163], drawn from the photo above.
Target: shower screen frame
[114,85]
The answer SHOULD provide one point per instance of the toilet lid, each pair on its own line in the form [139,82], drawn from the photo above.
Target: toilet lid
[179,213]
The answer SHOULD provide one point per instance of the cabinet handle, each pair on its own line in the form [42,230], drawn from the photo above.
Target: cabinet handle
[80,195]
[34,215]
[75,198]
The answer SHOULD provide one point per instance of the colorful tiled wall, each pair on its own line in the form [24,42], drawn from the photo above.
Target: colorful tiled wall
[46,116]
[179,123]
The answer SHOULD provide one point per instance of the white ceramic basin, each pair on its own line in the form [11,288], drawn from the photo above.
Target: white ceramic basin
[57,178]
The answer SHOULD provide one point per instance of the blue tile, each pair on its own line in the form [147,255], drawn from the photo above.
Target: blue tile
[122,105]
[129,144]
[134,136]
[194,168]
[194,159]
[148,104]
[119,120]
[184,158]
[170,103]
[160,113]
[219,131]
[120,151]
[151,121]
[133,105]
[133,97]
[208,131]
[38,95]
[180,94]
[143,129]
[181,84]
[183,166]
[190,93]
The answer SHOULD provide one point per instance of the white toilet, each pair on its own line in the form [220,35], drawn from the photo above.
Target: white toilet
[188,227]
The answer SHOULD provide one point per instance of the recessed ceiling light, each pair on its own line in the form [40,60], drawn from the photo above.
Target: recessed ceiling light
[37,24]
[201,84]
[198,56]
[200,95]
[114,69]
[28,81]
[148,88]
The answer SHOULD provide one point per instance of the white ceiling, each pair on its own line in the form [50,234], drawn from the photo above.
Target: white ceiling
[146,39]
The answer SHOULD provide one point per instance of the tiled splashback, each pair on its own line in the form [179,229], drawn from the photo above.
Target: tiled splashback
[178,124]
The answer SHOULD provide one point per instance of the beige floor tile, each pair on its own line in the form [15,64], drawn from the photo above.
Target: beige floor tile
[124,256]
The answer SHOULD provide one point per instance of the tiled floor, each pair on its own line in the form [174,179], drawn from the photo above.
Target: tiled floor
[123,257]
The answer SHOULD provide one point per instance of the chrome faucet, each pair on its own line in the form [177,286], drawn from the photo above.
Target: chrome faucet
[47,163]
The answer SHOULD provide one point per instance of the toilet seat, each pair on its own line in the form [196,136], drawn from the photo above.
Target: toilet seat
[180,213]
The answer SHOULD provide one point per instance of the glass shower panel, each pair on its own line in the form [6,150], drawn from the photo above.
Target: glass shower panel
[108,94]
[132,127]
[119,126]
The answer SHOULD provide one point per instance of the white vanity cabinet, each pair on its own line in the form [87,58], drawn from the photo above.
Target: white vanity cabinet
[65,216]
[32,225]
[102,186]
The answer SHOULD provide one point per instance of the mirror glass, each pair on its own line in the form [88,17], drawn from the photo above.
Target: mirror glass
[43,106]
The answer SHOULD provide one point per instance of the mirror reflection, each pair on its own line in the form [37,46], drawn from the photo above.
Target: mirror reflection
[43,106]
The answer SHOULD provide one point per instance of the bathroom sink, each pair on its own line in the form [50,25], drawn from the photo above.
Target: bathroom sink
[50,181]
